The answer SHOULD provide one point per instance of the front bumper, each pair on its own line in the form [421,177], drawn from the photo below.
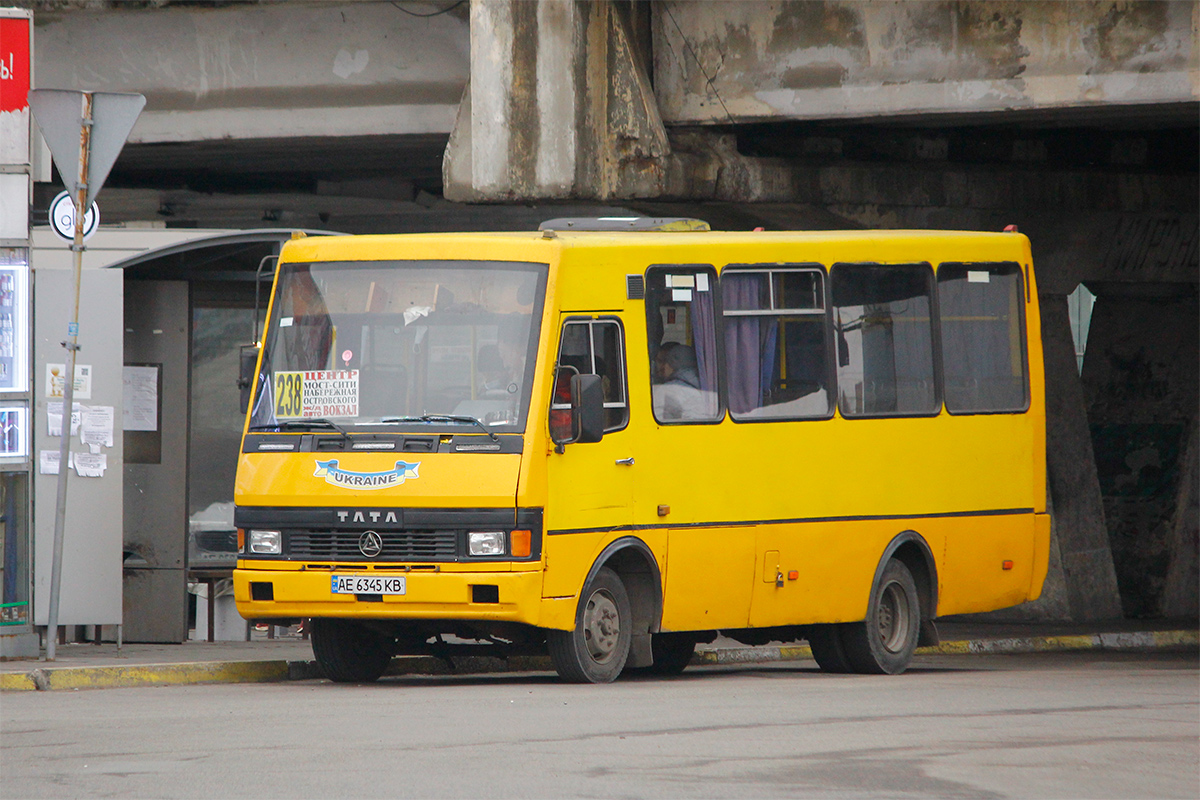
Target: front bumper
[441,594]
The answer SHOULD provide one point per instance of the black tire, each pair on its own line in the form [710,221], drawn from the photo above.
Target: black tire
[672,653]
[348,652]
[597,649]
[827,649]
[883,644]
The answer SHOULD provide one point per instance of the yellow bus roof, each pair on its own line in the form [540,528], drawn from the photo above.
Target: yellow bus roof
[711,247]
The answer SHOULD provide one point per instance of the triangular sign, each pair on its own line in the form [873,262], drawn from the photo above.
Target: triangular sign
[59,113]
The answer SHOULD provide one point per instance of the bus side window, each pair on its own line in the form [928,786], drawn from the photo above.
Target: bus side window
[884,331]
[980,308]
[681,312]
[591,347]
[776,345]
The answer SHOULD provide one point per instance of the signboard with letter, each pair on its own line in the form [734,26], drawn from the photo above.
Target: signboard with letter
[14,124]
[14,89]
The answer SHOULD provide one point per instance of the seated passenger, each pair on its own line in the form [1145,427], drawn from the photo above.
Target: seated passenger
[676,390]
[495,377]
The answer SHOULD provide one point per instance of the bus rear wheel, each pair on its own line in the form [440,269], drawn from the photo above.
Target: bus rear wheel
[348,652]
[596,650]
[884,643]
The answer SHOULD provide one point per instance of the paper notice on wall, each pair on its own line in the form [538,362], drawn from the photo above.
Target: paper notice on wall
[48,462]
[83,381]
[54,412]
[96,428]
[90,465]
[139,409]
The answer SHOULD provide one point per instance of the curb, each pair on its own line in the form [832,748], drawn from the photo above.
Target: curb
[74,678]
[1143,640]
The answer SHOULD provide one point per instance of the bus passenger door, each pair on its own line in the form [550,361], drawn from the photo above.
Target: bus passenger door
[681,485]
[590,484]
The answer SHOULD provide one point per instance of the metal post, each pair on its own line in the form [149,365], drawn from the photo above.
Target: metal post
[212,609]
[72,345]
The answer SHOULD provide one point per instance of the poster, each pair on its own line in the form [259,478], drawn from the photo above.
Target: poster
[54,412]
[139,409]
[48,462]
[55,383]
[89,465]
[96,427]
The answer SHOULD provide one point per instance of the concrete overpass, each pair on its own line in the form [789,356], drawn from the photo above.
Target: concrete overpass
[1077,121]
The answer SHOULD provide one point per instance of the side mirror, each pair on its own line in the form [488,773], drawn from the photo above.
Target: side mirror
[245,381]
[587,408]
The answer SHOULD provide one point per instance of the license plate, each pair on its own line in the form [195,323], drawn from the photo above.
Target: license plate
[369,584]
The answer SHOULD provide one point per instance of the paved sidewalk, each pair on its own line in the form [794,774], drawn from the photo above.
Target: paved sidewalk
[91,666]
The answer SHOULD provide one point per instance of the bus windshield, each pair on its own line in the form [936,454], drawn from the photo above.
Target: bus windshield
[398,342]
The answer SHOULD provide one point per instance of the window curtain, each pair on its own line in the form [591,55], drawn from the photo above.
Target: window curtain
[745,355]
[704,336]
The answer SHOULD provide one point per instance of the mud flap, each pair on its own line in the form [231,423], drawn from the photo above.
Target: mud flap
[640,654]
[928,636]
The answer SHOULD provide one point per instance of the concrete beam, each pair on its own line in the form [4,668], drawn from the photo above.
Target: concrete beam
[746,60]
[271,70]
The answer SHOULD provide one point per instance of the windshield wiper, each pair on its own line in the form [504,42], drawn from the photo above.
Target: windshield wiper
[305,424]
[466,419]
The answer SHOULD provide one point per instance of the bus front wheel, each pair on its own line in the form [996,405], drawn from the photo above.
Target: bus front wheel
[596,650]
[884,643]
[348,652]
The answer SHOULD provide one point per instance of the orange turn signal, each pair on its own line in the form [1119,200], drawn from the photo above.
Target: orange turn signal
[241,540]
[793,575]
[1007,565]
[520,543]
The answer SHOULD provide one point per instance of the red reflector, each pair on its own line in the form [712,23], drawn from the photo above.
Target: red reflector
[793,575]
[1007,565]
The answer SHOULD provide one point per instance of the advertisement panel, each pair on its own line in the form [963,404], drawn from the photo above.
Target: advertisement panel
[14,89]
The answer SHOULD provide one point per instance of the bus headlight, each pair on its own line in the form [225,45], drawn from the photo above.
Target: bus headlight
[266,542]
[489,543]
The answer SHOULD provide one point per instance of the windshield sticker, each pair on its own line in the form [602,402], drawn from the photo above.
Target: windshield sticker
[324,393]
[347,479]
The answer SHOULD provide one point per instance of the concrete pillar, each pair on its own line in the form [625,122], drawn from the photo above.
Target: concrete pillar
[557,106]
[1179,598]
[1141,377]
[1087,564]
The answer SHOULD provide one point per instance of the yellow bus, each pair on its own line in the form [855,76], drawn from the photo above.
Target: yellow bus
[614,439]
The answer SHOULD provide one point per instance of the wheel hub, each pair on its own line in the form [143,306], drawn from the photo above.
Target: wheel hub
[601,626]
[893,618]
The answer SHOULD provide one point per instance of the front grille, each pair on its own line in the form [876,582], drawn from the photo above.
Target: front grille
[397,545]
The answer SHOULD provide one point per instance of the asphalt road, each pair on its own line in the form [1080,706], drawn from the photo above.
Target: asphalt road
[1087,725]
